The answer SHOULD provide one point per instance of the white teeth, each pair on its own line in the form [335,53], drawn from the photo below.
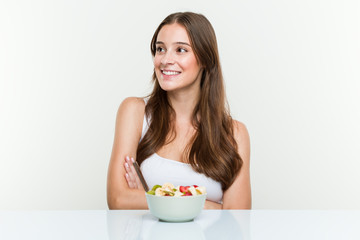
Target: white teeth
[170,72]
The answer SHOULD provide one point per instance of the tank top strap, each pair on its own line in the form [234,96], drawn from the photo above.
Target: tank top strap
[146,122]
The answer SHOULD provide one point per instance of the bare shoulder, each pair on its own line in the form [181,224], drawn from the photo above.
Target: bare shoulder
[130,115]
[240,131]
[242,138]
[132,104]
[132,107]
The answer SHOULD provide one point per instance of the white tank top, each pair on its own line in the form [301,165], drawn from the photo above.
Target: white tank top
[159,170]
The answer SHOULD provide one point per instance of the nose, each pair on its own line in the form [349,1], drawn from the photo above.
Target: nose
[167,58]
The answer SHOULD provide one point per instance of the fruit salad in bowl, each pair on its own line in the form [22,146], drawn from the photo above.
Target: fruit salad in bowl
[176,204]
[168,189]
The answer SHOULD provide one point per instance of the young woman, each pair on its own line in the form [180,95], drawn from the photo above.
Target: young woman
[182,133]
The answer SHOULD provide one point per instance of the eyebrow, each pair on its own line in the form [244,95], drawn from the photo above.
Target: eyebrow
[181,43]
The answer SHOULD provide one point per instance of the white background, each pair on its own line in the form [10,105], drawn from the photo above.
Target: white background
[292,71]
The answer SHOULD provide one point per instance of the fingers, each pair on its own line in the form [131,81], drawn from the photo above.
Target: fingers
[137,179]
[131,176]
[128,179]
[212,205]
[130,173]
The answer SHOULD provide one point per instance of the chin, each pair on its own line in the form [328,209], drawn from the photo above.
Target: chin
[167,85]
[166,88]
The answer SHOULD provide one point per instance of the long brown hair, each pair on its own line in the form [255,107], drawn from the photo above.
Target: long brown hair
[213,149]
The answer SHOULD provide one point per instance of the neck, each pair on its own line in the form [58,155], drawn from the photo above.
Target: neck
[184,104]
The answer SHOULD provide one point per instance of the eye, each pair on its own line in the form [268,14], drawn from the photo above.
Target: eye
[182,50]
[160,49]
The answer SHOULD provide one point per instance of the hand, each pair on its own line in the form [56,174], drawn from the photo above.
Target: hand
[131,175]
[212,205]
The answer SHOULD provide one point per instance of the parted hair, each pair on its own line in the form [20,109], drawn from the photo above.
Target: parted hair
[213,149]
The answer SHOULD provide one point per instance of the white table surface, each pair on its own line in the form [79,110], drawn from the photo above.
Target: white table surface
[210,224]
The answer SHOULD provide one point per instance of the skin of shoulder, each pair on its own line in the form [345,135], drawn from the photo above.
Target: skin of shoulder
[242,138]
[132,105]
[128,130]
[238,195]
[130,116]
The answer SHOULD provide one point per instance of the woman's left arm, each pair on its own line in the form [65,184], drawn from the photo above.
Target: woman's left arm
[238,195]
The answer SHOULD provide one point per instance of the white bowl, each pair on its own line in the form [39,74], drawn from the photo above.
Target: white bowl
[175,209]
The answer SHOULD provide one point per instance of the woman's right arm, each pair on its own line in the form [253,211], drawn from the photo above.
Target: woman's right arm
[128,130]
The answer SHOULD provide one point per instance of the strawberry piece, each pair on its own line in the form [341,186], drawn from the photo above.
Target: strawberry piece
[184,189]
[187,194]
[195,186]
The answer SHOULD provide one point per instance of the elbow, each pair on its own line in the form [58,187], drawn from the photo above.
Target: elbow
[119,203]
[238,206]
[115,203]
[112,203]
[132,199]
[248,207]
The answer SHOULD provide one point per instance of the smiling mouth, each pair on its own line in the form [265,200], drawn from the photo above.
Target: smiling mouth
[169,73]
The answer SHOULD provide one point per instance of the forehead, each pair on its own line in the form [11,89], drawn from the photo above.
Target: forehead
[172,33]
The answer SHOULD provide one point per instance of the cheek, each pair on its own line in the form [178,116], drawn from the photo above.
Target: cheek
[191,64]
[156,62]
